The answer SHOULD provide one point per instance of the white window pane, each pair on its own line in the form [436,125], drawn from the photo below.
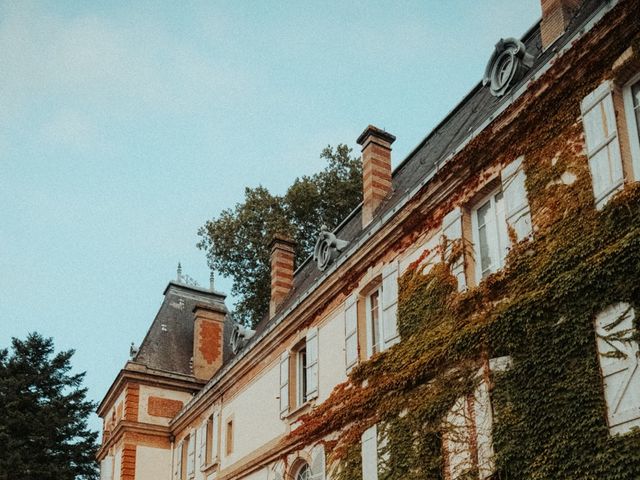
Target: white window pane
[594,127]
[501,230]
[483,215]
[515,196]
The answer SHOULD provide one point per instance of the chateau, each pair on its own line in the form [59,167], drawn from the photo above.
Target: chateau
[475,317]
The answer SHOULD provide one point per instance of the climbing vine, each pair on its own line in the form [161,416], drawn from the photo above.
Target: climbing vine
[550,415]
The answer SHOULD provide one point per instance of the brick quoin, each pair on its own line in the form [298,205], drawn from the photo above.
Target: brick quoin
[131,401]
[128,463]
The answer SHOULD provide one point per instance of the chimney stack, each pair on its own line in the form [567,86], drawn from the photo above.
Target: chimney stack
[376,169]
[556,15]
[208,339]
[282,263]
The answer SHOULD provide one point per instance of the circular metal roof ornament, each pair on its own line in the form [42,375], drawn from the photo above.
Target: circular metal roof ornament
[328,246]
[506,67]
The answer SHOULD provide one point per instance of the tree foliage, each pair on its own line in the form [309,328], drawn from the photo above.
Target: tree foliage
[43,414]
[237,241]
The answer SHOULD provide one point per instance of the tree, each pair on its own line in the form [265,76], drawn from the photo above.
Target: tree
[237,241]
[43,414]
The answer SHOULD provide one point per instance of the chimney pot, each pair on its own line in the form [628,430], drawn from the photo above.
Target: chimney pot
[376,169]
[282,267]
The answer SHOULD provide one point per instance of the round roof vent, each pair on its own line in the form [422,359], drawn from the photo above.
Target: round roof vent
[508,64]
[327,248]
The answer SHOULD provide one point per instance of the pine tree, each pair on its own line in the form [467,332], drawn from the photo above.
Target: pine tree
[43,414]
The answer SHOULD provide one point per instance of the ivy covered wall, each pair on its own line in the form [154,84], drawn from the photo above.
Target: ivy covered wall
[550,416]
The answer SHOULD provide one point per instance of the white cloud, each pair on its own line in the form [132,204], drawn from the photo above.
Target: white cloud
[96,60]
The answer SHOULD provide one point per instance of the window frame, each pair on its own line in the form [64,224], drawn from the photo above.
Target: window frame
[494,243]
[377,290]
[300,359]
[633,127]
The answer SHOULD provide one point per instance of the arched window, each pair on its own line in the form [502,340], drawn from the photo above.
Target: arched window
[303,472]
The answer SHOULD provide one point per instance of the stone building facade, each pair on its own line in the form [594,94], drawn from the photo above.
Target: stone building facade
[203,398]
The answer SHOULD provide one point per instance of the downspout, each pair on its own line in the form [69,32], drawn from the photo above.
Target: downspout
[172,459]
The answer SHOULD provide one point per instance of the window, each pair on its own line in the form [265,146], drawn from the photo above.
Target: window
[299,373]
[374,317]
[603,149]
[208,441]
[370,318]
[490,235]
[304,472]
[191,455]
[631,96]
[618,355]
[229,438]
[467,430]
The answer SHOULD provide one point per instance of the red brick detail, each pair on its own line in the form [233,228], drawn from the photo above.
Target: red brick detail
[556,15]
[282,266]
[376,170]
[128,463]
[163,407]
[210,341]
[131,402]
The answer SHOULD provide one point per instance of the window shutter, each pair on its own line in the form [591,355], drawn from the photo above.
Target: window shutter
[312,363]
[106,468]
[284,384]
[191,454]
[603,148]
[390,304]
[472,415]
[178,453]
[215,436]
[514,191]
[202,444]
[318,467]
[351,331]
[452,230]
[618,355]
[370,453]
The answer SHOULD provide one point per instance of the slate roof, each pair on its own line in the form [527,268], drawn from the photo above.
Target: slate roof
[168,344]
[474,109]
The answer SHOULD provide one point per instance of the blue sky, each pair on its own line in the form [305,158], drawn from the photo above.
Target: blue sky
[124,126]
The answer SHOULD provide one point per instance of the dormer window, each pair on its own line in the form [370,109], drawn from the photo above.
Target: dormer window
[507,66]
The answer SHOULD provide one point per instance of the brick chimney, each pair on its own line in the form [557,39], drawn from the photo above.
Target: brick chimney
[208,338]
[376,169]
[556,15]
[282,263]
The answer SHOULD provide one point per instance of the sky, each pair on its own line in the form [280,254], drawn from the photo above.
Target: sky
[124,126]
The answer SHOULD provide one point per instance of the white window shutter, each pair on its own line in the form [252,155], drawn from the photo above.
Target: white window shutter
[215,436]
[603,148]
[452,230]
[284,384]
[390,304]
[370,453]
[618,355]
[514,191]
[191,454]
[106,468]
[202,445]
[178,462]
[472,415]
[312,363]
[318,467]
[351,331]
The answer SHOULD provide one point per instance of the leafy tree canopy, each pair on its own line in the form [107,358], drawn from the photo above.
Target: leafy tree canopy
[43,414]
[237,241]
